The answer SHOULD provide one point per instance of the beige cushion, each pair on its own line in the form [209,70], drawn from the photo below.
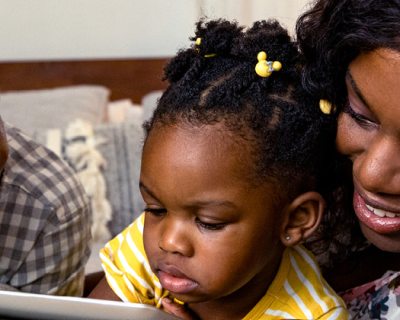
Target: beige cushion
[54,108]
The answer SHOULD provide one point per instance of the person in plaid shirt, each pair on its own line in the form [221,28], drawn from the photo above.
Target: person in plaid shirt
[45,219]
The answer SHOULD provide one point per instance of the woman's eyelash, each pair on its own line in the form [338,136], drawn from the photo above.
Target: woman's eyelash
[359,118]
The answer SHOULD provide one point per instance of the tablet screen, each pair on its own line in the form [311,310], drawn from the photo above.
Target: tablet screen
[17,305]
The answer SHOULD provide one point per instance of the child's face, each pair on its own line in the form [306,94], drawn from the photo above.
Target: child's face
[208,234]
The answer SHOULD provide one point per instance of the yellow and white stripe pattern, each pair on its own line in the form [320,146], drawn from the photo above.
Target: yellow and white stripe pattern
[297,292]
[127,269]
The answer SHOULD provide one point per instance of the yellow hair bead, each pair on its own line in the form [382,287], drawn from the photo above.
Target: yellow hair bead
[276,65]
[198,43]
[261,56]
[325,106]
[265,68]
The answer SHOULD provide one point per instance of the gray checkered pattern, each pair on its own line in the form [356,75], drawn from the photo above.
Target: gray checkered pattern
[44,221]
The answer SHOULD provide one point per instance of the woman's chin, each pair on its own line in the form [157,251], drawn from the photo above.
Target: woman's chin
[385,242]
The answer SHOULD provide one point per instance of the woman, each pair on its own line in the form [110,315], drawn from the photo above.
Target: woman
[352,51]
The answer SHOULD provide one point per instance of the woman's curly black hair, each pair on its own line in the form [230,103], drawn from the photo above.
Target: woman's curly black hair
[292,141]
[332,33]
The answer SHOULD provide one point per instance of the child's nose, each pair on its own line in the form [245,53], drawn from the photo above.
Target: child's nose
[175,237]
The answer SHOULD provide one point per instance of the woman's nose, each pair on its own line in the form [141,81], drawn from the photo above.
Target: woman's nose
[378,168]
[175,237]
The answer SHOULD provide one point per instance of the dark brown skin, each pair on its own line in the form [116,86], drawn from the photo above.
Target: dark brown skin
[369,134]
[103,291]
[361,268]
[206,191]
[196,214]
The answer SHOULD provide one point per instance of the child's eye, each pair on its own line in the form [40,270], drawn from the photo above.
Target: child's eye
[361,120]
[158,212]
[210,226]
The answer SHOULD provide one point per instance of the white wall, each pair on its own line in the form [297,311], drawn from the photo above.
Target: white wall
[79,29]
[247,11]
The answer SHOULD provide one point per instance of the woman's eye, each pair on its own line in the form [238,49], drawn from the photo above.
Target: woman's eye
[210,226]
[362,120]
[157,212]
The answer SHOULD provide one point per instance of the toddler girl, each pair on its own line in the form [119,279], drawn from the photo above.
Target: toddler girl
[235,162]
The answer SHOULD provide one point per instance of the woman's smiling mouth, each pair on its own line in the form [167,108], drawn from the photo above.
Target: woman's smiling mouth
[379,220]
[382,213]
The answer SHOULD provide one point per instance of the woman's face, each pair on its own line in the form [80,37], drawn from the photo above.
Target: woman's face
[369,133]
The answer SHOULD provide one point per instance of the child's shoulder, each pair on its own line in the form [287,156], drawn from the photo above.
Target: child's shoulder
[300,291]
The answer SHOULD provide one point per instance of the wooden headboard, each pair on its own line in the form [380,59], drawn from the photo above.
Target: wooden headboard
[128,78]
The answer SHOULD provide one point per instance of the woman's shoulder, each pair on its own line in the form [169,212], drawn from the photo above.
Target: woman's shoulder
[367,283]
[377,299]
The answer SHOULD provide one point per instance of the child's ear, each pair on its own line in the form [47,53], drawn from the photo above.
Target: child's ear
[301,218]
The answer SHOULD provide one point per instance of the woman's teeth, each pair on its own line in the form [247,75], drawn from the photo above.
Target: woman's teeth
[380,212]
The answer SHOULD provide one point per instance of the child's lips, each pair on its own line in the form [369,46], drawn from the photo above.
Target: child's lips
[173,280]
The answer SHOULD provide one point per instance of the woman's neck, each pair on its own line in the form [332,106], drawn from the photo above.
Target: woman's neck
[362,267]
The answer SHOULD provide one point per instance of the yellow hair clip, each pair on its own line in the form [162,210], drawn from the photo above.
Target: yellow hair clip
[265,68]
[179,301]
[325,106]
[198,43]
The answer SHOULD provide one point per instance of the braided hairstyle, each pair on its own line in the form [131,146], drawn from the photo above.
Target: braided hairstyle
[332,33]
[291,140]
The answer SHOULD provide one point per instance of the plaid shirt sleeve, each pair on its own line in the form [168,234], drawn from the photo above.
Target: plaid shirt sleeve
[45,221]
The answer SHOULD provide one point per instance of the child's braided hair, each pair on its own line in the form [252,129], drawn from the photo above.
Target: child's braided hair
[214,81]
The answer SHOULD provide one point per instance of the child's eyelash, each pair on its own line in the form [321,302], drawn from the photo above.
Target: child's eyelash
[204,225]
[210,226]
[155,212]
[359,118]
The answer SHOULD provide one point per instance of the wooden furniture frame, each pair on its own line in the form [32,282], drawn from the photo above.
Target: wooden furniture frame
[126,78]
